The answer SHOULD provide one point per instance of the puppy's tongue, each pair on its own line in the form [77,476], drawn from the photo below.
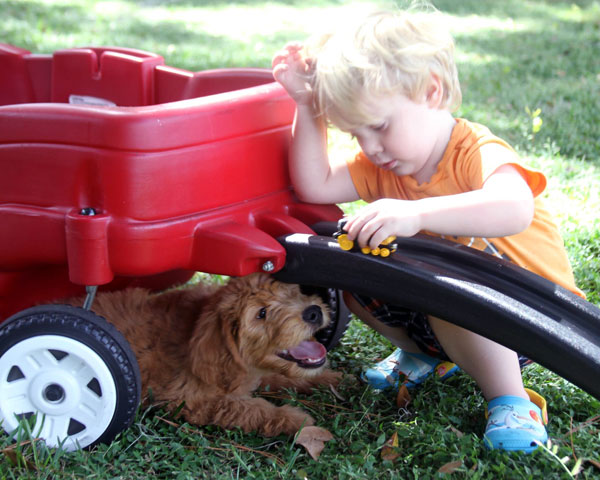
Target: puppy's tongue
[308,350]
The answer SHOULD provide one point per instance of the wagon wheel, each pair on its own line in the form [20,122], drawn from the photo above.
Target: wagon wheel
[70,373]
[331,335]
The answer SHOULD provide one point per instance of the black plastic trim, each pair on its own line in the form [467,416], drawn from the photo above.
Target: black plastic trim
[469,288]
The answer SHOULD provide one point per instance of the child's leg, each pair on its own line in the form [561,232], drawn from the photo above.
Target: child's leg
[494,367]
[397,336]
[407,362]
[516,417]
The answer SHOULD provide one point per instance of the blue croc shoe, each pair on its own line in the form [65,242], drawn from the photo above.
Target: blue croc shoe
[516,424]
[412,368]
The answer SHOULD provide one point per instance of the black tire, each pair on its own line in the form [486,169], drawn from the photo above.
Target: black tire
[331,335]
[84,346]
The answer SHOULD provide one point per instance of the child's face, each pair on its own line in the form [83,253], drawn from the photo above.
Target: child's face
[403,139]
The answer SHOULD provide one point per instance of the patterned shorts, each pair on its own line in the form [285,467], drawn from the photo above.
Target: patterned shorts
[416,325]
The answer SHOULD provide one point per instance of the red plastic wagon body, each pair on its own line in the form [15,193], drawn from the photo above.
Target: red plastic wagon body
[167,172]
[186,172]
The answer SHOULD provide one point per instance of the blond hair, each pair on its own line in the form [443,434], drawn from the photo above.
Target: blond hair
[387,53]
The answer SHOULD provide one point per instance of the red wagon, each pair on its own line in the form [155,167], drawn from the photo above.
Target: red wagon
[117,170]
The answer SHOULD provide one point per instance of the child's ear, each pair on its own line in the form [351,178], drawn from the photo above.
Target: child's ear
[435,92]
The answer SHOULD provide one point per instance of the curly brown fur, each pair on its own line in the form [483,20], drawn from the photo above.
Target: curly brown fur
[208,347]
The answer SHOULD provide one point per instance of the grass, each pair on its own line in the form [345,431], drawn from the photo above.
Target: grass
[518,61]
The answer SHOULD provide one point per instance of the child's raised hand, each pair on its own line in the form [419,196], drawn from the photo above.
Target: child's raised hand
[383,218]
[291,69]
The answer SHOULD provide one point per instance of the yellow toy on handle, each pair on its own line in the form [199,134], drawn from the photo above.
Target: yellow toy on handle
[385,248]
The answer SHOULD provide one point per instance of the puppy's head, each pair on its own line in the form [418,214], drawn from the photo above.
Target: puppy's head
[277,326]
[270,325]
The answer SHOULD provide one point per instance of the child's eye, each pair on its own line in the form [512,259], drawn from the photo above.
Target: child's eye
[380,126]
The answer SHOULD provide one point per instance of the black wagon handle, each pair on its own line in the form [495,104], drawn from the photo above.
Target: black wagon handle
[489,296]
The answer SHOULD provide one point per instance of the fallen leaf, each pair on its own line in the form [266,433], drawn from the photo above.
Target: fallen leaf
[313,440]
[390,449]
[594,463]
[450,467]
[12,456]
[16,458]
[457,432]
[403,398]
[336,394]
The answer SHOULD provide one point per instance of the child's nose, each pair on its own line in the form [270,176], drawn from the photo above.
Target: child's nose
[371,146]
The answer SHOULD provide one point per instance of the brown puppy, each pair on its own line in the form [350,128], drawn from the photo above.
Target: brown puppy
[212,346]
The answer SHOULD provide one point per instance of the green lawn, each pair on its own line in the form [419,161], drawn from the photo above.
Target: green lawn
[519,60]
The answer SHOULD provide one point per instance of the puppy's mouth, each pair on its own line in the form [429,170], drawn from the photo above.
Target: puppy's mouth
[307,354]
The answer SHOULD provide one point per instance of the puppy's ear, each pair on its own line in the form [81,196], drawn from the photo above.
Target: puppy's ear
[213,349]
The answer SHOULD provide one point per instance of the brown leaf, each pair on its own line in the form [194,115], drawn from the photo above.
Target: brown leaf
[390,449]
[457,432]
[403,398]
[336,394]
[595,463]
[450,467]
[313,440]
[11,455]
[16,459]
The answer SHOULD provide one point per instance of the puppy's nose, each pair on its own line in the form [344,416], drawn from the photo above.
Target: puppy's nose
[313,315]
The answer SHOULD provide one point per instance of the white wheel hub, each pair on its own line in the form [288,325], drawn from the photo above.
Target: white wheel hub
[64,383]
[54,392]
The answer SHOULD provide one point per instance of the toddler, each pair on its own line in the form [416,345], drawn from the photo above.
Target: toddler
[391,82]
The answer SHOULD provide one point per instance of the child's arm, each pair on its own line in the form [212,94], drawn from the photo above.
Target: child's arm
[502,207]
[315,179]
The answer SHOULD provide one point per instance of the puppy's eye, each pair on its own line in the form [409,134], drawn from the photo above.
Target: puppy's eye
[262,313]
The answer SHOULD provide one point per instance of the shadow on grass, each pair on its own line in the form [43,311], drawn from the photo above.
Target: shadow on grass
[535,9]
[181,45]
[195,50]
[228,3]
[541,66]
[20,20]
[503,71]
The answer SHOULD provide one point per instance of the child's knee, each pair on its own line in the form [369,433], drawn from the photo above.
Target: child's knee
[351,302]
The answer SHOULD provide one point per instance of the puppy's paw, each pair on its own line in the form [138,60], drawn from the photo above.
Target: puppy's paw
[276,382]
[295,418]
[329,377]
[287,420]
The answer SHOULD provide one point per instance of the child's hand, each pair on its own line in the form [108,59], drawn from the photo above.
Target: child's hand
[291,69]
[382,218]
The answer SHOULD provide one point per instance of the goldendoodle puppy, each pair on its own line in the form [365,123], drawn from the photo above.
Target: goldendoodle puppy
[212,346]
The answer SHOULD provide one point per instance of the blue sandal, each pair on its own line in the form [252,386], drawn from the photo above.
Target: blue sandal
[412,368]
[516,424]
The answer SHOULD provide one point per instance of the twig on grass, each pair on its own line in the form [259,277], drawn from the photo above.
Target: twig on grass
[584,424]
[313,404]
[239,446]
